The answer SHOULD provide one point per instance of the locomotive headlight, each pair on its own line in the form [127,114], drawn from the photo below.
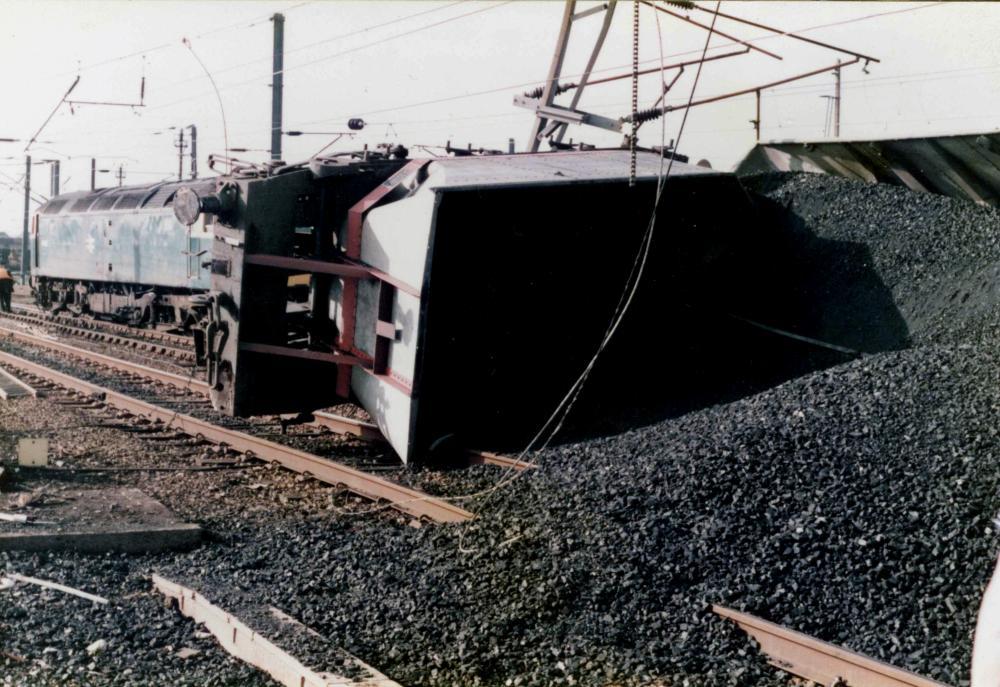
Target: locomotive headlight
[187,206]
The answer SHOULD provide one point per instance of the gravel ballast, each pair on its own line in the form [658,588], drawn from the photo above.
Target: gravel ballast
[854,503]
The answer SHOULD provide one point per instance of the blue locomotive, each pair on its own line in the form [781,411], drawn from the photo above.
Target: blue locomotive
[119,253]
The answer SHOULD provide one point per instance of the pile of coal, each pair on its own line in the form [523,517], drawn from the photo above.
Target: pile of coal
[854,503]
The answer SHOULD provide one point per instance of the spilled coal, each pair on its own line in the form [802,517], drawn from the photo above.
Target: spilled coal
[854,503]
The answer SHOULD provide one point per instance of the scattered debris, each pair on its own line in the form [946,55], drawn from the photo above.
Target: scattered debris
[97,647]
[249,646]
[56,586]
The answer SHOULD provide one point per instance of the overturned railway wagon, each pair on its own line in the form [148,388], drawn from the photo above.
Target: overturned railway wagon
[456,299]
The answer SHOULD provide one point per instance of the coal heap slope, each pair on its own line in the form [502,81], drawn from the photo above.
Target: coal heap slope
[853,503]
[938,257]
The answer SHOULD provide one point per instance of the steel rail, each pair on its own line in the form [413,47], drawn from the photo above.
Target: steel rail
[155,345]
[338,424]
[145,334]
[820,661]
[404,499]
[490,458]
[180,381]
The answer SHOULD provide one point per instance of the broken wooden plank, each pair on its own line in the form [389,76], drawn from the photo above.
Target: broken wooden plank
[56,586]
[139,540]
[244,643]
[374,678]
[819,661]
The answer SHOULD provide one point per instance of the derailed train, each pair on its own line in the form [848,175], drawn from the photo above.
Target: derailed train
[456,299]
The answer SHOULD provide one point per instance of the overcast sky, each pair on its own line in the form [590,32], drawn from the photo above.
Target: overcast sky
[425,72]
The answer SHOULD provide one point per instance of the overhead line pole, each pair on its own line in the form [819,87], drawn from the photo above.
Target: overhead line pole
[836,104]
[54,178]
[277,84]
[180,154]
[194,151]
[24,235]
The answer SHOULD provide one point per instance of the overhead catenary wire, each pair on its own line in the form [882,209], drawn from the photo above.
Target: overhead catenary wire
[222,109]
[847,21]
[330,39]
[339,54]
[172,44]
[508,87]
[435,101]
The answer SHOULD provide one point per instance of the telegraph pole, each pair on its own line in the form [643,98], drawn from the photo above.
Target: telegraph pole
[54,178]
[756,121]
[93,174]
[180,155]
[27,208]
[120,175]
[194,151]
[836,104]
[277,84]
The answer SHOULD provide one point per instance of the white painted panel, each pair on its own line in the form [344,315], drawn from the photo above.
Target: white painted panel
[395,236]
[389,407]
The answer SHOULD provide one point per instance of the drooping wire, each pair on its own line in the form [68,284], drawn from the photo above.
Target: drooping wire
[562,410]
[342,53]
[222,109]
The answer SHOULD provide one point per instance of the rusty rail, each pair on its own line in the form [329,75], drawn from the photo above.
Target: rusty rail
[155,335]
[158,342]
[403,499]
[173,379]
[819,661]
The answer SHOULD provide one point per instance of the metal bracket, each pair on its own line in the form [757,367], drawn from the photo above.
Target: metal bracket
[558,116]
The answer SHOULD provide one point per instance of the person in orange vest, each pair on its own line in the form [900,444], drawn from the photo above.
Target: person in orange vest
[6,289]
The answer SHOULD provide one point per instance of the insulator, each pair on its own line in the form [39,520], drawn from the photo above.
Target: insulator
[644,115]
[355,124]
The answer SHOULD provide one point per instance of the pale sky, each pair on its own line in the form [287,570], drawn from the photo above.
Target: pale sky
[939,73]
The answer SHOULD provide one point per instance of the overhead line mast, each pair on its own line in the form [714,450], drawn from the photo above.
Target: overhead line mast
[277,84]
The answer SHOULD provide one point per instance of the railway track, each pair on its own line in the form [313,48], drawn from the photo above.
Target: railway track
[819,661]
[378,489]
[175,346]
[190,383]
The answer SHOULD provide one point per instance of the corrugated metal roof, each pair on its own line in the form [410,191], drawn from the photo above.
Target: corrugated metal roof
[962,166]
